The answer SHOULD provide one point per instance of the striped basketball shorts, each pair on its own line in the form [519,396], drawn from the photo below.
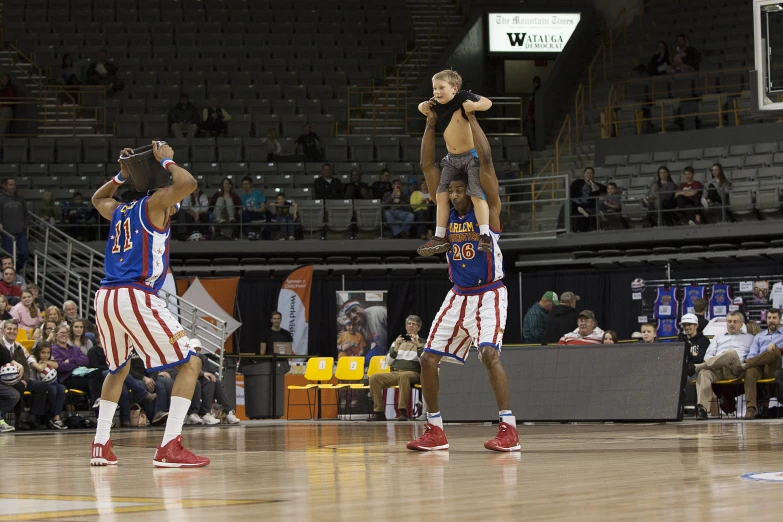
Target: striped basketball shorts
[128,318]
[465,320]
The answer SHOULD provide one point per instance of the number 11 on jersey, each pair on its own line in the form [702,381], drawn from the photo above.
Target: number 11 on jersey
[119,228]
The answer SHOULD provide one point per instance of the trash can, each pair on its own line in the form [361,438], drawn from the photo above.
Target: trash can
[258,388]
[230,386]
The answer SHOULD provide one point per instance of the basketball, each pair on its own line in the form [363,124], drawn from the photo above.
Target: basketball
[9,374]
[48,375]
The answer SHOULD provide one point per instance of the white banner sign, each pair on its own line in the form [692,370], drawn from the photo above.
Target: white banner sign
[533,33]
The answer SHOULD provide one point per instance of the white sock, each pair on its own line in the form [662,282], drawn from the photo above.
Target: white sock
[435,419]
[105,417]
[484,229]
[508,418]
[177,413]
[440,231]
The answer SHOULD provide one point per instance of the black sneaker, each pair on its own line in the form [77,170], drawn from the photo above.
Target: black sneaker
[403,416]
[436,245]
[701,413]
[377,416]
[485,243]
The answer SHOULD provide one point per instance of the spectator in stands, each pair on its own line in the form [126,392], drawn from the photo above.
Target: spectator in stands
[273,145]
[327,186]
[285,214]
[534,323]
[212,390]
[104,72]
[753,328]
[584,195]
[561,318]
[195,214]
[152,388]
[225,206]
[404,364]
[723,360]
[8,288]
[397,212]
[274,334]
[611,204]
[648,333]
[310,145]
[7,96]
[717,188]
[763,359]
[69,73]
[688,196]
[78,336]
[71,314]
[5,308]
[9,396]
[79,215]
[54,315]
[26,312]
[141,394]
[13,219]
[184,118]
[587,331]
[610,337]
[74,370]
[33,288]
[36,388]
[420,204]
[699,309]
[253,209]
[695,342]
[354,189]
[214,119]
[686,57]
[661,198]
[47,208]
[8,262]
[660,63]
[48,331]
[42,353]
[383,185]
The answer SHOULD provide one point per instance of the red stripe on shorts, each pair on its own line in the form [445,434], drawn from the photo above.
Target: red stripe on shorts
[458,324]
[146,330]
[437,323]
[478,318]
[111,329]
[164,326]
[497,318]
[128,331]
[465,340]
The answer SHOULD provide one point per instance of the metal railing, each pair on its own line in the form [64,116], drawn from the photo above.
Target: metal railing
[58,284]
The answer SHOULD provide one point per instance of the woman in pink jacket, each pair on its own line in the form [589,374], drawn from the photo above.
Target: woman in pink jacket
[26,312]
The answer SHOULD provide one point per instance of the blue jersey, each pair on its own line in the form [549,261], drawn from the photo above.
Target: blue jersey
[137,253]
[468,267]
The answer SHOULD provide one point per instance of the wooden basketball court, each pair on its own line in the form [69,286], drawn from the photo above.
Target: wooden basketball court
[358,471]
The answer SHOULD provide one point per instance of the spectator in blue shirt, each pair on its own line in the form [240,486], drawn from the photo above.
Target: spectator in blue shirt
[253,209]
[764,358]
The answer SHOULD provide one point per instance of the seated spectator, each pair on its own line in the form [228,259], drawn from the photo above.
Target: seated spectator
[26,312]
[534,323]
[8,262]
[4,309]
[69,73]
[310,145]
[36,388]
[695,342]
[354,189]
[397,212]
[184,118]
[8,286]
[9,396]
[79,215]
[660,63]
[648,333]
[405,371]
[104,72]
[195,214]
[383,185]
[253,209]
[688,196]
[610,337]
[686,57]
[753,328]
[723,360]
[327,186]
[48,332]
[214,119]
[506,171]
[74,370]
[273,145]
[285,214]
[587,331]
[48,209]
[149,386]
[37,297]
[78,337]
[718,187]
[610,204]
[561,318]
[763,360]
[699,309]
[42,353]
[274,334]
[225,206]
[7,97]
[420,204]
[141,394]
[212,390]
[584,195]
[71,314]
[661,198]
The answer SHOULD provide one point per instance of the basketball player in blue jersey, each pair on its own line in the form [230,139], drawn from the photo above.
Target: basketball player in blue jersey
[130,315]
[474,311]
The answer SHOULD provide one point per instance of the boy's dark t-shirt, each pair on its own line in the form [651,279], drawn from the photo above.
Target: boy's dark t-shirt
[446,110]
[309,144]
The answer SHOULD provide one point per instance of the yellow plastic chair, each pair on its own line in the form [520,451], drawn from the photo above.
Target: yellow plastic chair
[318,371]
[377,365]
[27,345]
[349,369]
[22,335]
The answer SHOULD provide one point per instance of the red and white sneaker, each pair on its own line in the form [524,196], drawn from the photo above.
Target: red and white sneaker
[173,455]
[102,455]
[432,439]
[507,439]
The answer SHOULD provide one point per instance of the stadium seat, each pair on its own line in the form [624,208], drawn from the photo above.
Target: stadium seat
[339,214]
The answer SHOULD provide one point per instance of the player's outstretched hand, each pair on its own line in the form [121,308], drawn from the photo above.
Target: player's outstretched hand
[162,150]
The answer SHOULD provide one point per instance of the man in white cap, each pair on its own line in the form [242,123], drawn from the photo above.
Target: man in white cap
[764,359]
[695,341]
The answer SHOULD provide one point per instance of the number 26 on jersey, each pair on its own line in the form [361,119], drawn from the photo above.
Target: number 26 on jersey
[464,251]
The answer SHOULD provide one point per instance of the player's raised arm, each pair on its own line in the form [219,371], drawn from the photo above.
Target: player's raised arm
[103,199]
[427,160]
[183,182]
[489,180]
